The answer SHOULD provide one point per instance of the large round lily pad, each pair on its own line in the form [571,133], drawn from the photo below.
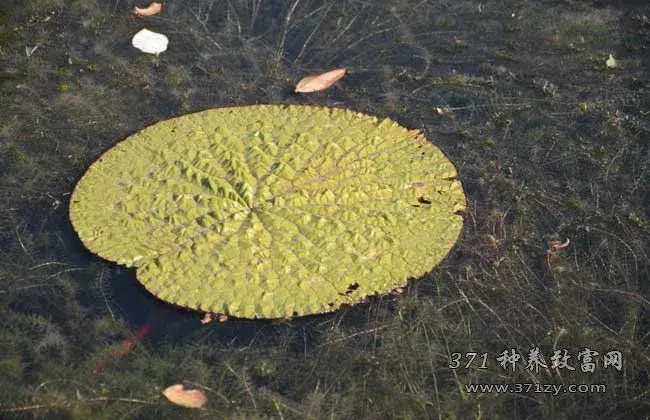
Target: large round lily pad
[271,211]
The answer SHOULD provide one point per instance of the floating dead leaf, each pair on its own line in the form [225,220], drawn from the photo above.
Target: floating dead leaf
[611,62]
[319,82]
[207,318]
[153,9]
[191,398]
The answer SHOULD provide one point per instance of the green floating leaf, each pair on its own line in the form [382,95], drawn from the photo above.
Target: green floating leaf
[271,211]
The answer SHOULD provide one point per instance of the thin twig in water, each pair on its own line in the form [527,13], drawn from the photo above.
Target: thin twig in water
[256,9]
[408,34]
[20,241]
[313,399]
[304,46]
[101,290]
[286,29]
[234,11]
[47,263]
[338,35]
[27,287]
[277,407]
[61,272]
[338,340]
[67,403]
[363,38]
[245,382]
[205,27]
[219,394]
[625,244]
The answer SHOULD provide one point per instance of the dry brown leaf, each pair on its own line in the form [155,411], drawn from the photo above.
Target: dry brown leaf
[191,398]
[320,81]
[207,318]
[153,9]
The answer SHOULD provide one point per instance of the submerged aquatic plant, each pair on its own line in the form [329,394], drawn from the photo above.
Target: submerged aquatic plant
[271,211]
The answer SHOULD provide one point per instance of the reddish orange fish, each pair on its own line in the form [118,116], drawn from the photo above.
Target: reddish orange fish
[127,345]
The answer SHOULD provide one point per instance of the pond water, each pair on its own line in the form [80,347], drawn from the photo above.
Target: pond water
[543,108]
